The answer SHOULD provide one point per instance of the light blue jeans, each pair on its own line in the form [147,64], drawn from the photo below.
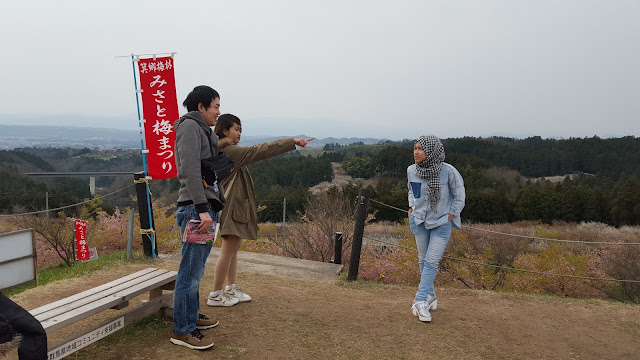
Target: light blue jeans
[186,296]
[431,244]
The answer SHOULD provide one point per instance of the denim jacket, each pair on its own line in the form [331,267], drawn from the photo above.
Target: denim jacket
[451,197]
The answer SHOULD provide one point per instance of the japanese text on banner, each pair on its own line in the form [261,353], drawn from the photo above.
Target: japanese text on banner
[82,249]
[160,110]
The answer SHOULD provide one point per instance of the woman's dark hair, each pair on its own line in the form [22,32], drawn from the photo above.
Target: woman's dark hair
[225,122]
[201,94]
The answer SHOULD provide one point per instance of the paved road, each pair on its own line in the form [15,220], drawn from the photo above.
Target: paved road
[275,265]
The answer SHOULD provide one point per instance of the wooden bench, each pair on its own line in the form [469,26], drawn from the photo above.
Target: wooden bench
[113,295]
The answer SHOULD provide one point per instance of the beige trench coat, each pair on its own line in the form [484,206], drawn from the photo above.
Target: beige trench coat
[240,216]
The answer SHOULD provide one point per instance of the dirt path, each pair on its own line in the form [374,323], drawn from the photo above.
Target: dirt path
[340,179]
[302,319]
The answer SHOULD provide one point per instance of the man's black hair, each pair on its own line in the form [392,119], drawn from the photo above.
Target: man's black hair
[201,94]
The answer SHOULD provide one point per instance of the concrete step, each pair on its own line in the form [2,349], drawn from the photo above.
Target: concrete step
[275,265]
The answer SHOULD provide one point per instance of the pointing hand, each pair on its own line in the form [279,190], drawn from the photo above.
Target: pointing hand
[302,142]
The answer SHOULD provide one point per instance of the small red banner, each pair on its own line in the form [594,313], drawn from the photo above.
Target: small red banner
[160,110]
[80,230]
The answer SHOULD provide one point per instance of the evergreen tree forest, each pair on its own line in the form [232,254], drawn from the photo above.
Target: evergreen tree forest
[509,180]
[506,179]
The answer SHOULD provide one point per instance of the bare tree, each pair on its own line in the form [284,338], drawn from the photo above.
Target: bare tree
[623,264]
[57,232]
[312,235]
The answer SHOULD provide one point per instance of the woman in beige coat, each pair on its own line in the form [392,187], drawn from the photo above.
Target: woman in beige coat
[239,218]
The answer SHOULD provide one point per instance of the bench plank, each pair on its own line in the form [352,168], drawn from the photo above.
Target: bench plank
[61,302]
[139,312]
[159,280]
[91,297]
[60,317]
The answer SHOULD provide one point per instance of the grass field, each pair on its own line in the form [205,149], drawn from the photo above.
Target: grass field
[304,319]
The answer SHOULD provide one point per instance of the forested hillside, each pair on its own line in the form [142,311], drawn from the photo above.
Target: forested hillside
[531,157]
[25,159]
[535,157]
[288,176]
[21,193]
[18,193]
[500,174]
[504,177]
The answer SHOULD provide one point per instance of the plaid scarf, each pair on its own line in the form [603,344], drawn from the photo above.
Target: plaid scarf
[430,168]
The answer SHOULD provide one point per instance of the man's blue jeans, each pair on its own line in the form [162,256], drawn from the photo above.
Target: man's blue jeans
[186,296]
[431,244]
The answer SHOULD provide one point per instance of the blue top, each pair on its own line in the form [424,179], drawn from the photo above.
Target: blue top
[451,197]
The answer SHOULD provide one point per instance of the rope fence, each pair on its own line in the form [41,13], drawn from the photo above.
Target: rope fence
[162,193]
[67,206]
[524,236]
[508,268]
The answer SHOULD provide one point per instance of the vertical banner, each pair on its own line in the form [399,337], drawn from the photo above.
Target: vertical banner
[160,110]
[80,231]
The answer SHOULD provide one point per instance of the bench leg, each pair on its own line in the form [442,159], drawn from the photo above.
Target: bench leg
[86,337]
[154,293]
[164,311]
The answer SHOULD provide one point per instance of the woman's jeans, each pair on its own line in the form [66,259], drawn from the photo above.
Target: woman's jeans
[186,296]
[431,244]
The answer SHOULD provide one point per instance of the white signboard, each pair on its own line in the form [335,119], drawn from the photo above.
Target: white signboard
[93,254]
[17,258]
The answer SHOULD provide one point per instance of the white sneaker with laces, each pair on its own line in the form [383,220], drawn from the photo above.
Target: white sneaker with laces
[234,291]
[219,298]
[421,310]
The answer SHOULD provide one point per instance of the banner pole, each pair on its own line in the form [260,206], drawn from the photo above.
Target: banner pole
[73,243]
[144,158]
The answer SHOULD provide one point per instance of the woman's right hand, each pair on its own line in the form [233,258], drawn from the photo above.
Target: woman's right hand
[410,211]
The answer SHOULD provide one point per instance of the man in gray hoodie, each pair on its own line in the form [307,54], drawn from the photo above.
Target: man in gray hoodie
[196,201]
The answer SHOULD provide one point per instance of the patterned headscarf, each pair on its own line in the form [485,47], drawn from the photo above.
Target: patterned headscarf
[430,168]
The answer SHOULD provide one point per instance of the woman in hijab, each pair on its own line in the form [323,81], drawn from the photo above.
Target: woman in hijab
[436,198]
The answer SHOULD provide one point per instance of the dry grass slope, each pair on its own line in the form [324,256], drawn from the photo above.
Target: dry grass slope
[302,319]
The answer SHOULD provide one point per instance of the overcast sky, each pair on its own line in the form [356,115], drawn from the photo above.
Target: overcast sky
[382,69]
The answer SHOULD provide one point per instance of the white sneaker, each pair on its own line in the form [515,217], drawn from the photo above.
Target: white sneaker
[234,291]
[421,310]
[219,298]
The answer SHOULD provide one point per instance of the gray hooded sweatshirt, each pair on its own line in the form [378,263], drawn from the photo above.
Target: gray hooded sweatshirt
[192,145]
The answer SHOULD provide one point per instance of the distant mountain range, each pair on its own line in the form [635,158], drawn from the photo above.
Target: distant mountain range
[17,136]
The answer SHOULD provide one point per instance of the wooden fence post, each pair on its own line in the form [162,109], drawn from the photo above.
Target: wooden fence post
[143,211]
[337,249]
[358,232]
[130,234]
